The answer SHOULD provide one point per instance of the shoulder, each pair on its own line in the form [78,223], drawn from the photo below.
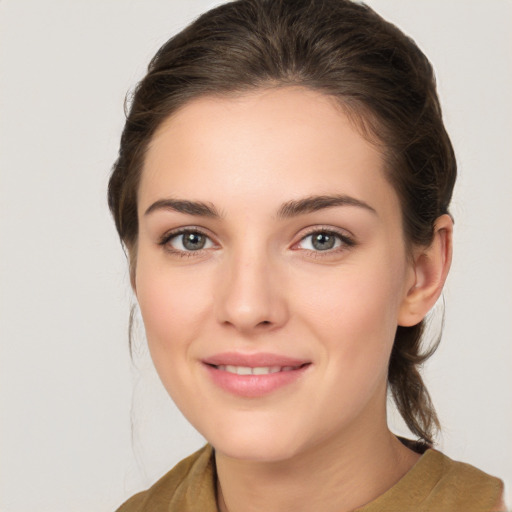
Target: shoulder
[437,482]
[188,485]
[461,473]
[464,486]
[462,483]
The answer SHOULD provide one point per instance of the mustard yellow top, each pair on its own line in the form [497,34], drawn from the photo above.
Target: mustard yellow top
[434,484]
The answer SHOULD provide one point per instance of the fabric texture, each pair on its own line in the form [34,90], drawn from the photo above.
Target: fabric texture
[435,483]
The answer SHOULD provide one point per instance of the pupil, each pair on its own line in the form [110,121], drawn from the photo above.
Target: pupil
[323,241]
[193,241]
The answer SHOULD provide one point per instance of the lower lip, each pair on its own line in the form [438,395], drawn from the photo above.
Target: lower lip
[254,386]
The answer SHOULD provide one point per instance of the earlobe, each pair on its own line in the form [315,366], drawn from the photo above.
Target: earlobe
[431,266]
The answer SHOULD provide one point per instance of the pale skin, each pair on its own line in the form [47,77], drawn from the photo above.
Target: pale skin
[239,174]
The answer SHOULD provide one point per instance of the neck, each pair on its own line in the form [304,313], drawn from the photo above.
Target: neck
[339,475]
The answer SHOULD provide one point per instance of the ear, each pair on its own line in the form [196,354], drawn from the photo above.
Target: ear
[430,268]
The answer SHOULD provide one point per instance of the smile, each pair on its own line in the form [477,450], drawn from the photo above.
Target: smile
[254,375]
[257,370]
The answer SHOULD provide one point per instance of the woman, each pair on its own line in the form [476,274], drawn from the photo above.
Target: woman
[282,190]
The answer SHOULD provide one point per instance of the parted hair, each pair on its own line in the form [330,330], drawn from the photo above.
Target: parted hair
[342,49]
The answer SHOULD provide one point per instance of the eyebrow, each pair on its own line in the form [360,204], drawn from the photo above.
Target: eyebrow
[197,208]
[289,209]
[312,204]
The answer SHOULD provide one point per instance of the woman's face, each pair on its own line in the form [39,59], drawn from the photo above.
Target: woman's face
[271,269]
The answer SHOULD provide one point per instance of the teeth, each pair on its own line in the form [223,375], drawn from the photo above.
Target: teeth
[258,370]
[240,370]
[264,370]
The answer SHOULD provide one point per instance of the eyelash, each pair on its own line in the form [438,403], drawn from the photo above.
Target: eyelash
[346,241]
[167,237]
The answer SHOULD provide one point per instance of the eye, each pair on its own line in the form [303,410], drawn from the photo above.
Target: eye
[324,241]
[187,241]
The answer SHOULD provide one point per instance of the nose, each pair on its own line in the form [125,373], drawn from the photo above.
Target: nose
[251,296]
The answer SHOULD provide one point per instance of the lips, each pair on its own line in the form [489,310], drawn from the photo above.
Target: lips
[253,375]
[257,370]
[253,360]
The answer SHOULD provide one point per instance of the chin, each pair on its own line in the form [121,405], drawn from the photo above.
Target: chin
[258,443]
[256,450]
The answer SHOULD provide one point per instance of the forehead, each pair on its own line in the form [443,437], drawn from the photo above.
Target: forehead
[266,143]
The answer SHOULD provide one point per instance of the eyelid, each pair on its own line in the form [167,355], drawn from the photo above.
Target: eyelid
[346,238]
[169,235]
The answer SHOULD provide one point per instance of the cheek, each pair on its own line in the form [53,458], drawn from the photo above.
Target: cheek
[356,299]
[354,312]
[174,306]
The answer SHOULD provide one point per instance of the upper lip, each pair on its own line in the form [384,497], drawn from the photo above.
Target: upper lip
[261,359]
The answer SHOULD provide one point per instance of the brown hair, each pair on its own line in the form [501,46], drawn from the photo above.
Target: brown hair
[337,47]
